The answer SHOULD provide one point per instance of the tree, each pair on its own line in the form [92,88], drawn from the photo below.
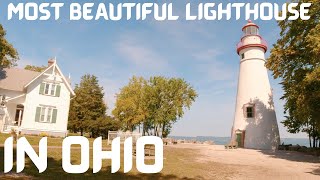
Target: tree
[130,107]
[87,106]
[167,99]
[103,125]
[8,54]
[156,103]
[35,68]
[295,59]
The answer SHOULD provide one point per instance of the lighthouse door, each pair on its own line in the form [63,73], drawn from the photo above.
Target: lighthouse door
[240,138]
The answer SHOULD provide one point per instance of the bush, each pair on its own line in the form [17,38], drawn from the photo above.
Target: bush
[43,134]
[101,127]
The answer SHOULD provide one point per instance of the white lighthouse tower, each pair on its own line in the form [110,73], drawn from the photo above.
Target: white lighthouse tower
[255,124]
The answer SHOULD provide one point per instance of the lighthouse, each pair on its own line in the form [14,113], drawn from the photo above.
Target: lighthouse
[255,123]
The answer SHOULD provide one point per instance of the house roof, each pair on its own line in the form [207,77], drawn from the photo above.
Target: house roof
[53,64]
[18,79]
[15,79]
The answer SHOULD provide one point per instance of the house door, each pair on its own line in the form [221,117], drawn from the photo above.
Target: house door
[19,115]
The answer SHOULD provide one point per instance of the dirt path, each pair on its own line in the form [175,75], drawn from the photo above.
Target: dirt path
[256,164]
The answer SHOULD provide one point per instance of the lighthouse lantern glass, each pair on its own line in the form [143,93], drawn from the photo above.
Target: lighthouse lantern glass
[251,30]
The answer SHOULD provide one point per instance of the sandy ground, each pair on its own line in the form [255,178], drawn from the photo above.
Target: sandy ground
[257,164]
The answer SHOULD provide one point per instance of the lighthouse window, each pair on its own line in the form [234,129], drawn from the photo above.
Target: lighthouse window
[250,112]
[242,56]
[251,30]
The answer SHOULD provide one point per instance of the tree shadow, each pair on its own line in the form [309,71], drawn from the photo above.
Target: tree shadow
[296,157]
[291,156]
[3,73]
[315,171]
[262,131]
[55,171]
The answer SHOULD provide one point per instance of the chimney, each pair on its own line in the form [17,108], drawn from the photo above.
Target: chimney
[50,62]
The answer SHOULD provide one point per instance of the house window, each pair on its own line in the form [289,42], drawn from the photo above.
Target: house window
[250,111]
[46,114]
[46,91]
[53,89]
[42,114]
[49,114]
[242,56]
[50,89]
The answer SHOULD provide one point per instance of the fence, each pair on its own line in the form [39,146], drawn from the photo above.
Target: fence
[123,136]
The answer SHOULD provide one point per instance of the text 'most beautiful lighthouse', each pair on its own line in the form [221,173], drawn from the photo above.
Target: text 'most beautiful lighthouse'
[255,124]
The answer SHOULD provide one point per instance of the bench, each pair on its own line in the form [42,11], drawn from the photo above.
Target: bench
[148,149]
[231,145]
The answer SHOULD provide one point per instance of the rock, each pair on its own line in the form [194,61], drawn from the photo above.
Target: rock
[294,148]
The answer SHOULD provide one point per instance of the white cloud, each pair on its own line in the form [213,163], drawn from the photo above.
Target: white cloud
[140,54]
[23,62]
[30,61]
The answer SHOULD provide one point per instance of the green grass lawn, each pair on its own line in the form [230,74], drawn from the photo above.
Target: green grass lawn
[34,140]
[178,164]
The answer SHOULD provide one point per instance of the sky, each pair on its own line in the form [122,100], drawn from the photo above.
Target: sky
[201,52]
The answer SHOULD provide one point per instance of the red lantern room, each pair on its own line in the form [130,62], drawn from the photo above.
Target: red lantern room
[251,38]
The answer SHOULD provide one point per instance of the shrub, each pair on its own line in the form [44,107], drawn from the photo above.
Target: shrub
[43,134]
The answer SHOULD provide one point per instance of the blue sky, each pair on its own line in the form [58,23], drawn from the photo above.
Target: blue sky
[201,52]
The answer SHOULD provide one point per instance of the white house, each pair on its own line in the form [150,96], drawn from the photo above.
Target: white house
[34,102]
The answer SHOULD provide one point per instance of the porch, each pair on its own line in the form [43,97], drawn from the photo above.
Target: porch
[11,114]
[11,118]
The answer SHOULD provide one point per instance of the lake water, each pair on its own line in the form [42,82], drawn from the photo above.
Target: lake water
[226,140]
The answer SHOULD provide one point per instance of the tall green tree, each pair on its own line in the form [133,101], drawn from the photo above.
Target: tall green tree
[167,98]
[295,59]
[8,54]
[156,103]
[87,106]
[35,68]
[130,105]
[103,125]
